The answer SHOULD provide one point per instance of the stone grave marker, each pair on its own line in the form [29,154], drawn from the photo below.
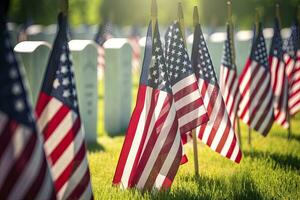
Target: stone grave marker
[34,56]
[84,57]
[118,85]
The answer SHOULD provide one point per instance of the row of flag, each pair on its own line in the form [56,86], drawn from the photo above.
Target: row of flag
[43,152]
[177,95]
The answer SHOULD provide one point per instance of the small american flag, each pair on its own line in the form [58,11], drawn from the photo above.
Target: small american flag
[229,83]
[187,98]
[152,149]
[256,104]
[59,120]
[24,172]
[278,78]
[292,62]
[218,133]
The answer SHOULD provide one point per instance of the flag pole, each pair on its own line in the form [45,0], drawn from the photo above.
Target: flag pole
[256,32]
[288,113]
[229,13]
[153,16]
[182,30]
[64,6]
[195,147]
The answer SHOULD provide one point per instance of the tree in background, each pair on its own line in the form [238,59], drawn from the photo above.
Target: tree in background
[137,12]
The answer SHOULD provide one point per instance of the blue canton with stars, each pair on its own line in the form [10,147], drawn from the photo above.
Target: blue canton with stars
[59,79]
[154,73]
[201,60]
[276,44]
[292,44]
[13,92]
[177,59]
[227,59]
[259,50]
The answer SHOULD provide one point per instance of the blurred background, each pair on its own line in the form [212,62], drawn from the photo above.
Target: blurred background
[137,12]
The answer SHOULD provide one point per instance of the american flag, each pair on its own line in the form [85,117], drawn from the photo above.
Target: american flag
[256,104]
[229,83]
[292,62]
[152,149]
[279,79]
[24,171]
[59,121]
[187,98]
[218,133]
[104,33]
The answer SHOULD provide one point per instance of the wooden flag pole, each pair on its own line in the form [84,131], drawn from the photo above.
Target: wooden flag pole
[195,148]
[288,113]
[153,16]
[229,13]
[194,136]
[64,6]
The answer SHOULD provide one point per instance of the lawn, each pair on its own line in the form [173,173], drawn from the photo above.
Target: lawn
[268,170]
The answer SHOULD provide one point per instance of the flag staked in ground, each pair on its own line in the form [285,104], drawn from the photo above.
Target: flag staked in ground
[59,121]
[152,149]
[229,84]
[256,105]
[218,133]
[279,79]
[24,171]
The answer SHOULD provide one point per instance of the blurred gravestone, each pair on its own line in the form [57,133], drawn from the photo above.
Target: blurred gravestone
[34,56]
[243,47]
[268,34]
[215,46]
[49,33]
[118,87]
[35,33]
[84,53]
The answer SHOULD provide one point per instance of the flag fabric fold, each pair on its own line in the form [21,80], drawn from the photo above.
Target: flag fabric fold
[279,79]
[218,133]
[188,101]
[59,121]
[292,64]
[229,83]
[152,149]
[24,171]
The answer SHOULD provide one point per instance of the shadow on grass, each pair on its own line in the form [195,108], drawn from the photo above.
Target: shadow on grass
[284,161]
[233,187]
[293,137]
[95,147]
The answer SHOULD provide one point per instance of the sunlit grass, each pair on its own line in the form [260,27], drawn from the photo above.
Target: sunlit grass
[268,170]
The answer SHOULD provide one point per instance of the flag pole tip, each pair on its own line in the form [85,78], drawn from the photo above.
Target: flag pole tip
[180,11]
[196,16]
[154,8]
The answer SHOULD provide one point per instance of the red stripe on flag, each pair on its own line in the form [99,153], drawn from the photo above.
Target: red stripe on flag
[130,133]
[70,168]
[55,121]
[185,91]
[65,142]
[42,102]
[81,186]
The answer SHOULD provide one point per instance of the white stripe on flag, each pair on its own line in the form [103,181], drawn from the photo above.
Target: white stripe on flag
[136,140]
[30,171]
[188,98]
[48,113]
[169,161]
[60,132]
[163,135]
[184,83]
[13,151]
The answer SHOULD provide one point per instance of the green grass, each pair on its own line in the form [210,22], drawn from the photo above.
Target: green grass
[270,170]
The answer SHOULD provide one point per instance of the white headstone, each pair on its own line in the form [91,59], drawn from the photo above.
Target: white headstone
[34,56]
[84,53]
[118,87]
